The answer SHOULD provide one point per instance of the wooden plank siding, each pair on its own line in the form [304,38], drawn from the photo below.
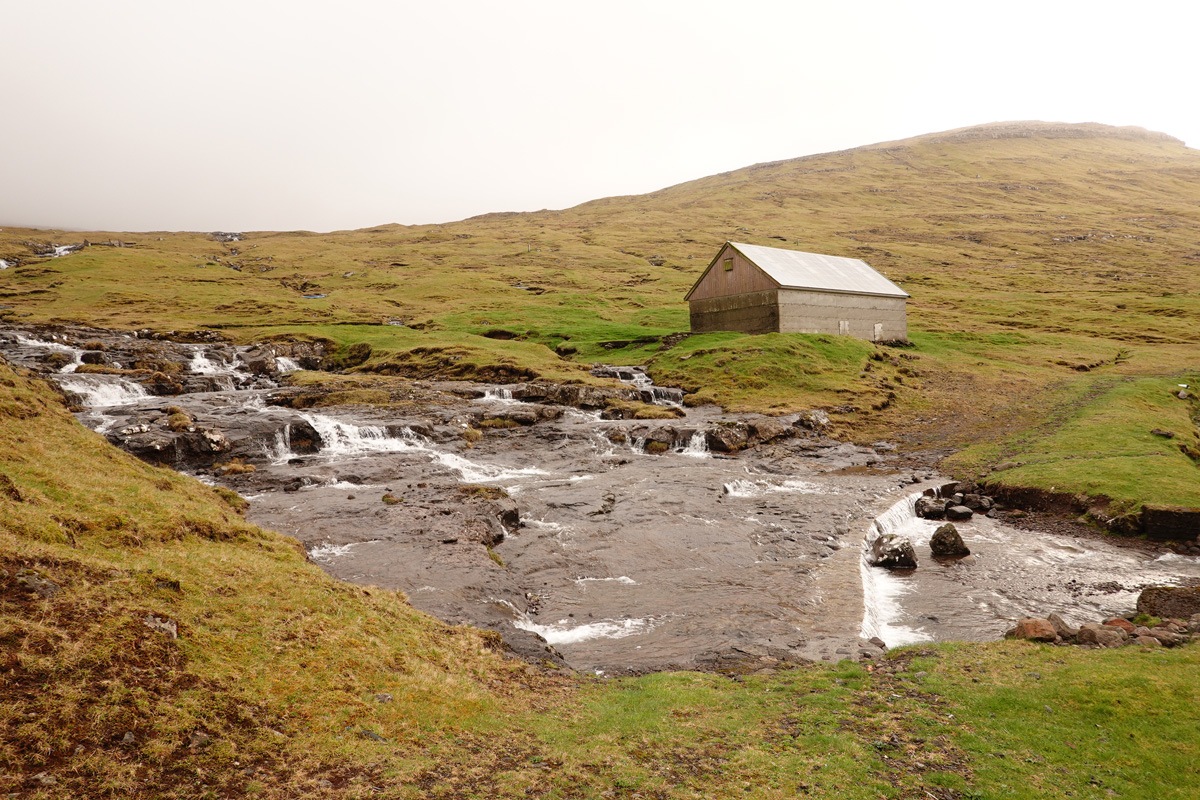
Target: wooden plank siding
[744,278]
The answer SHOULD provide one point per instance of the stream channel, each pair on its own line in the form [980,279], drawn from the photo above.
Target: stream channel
[559,531]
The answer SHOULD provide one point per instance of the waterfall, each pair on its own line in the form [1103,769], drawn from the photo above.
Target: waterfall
[103,391]
[498,393]
[346,439]
[638,379]
[882,589]
[281,449]
[697,446]
[285,364]
[203,365]
[75,352]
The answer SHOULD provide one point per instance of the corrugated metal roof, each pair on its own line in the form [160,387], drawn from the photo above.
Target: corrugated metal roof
[795,269]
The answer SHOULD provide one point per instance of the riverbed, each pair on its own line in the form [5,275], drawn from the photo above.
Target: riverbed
[570,536]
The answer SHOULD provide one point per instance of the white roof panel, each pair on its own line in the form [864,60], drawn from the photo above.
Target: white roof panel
[794,269]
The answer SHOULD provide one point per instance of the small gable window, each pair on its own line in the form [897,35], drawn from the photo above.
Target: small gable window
[729,265]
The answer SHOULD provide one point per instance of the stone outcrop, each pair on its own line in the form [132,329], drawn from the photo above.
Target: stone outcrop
[727,438]
[1170,601]
[1171,523]
[767,429]
[815,420]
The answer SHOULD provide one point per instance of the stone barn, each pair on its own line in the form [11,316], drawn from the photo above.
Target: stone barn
[758,289]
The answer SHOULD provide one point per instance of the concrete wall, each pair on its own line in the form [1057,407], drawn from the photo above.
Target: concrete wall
[854,314]
[800,311]
[755,312]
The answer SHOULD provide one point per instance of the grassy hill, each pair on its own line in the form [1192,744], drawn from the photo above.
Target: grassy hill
[1054,282]
[280,682]
[1054,272]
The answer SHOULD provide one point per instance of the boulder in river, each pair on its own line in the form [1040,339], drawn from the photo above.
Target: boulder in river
[893,552]
[978,502]
[930,508]
[958,513]
[726,438]
[947,543]
[1174,602]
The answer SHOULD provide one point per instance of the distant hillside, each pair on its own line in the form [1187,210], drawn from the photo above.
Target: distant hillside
[1046,262]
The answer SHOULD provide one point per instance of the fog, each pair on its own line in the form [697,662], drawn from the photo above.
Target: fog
[304,115]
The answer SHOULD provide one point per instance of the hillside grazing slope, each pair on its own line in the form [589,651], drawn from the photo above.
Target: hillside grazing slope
[1053,269]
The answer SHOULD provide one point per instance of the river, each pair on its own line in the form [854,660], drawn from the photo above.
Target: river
[557,529]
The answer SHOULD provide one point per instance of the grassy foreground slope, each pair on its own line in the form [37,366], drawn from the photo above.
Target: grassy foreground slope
[1049,266]
[283,683]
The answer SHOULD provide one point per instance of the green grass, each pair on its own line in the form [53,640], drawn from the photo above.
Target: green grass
[775,372]
[1104,446]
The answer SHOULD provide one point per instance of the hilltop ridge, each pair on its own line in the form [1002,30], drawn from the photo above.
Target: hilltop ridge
[1030,129]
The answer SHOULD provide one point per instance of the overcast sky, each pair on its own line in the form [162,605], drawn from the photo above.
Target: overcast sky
[256,114]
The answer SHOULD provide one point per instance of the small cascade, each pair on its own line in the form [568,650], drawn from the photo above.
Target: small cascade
[748,488]
[696,447]
[57,347]
[565,631]
[498,393]
[882,590]
[4,264]
[203,365]
[286,365]
[224,376]
[103,391]
[474,472]
[281,449]
[75,364]
[638,379]
[346,439]
[340,439]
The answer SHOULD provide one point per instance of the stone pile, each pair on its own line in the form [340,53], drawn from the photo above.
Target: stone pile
[1154,605]
[954,502]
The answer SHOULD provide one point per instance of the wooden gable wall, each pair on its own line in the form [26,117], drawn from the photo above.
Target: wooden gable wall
[742,279]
